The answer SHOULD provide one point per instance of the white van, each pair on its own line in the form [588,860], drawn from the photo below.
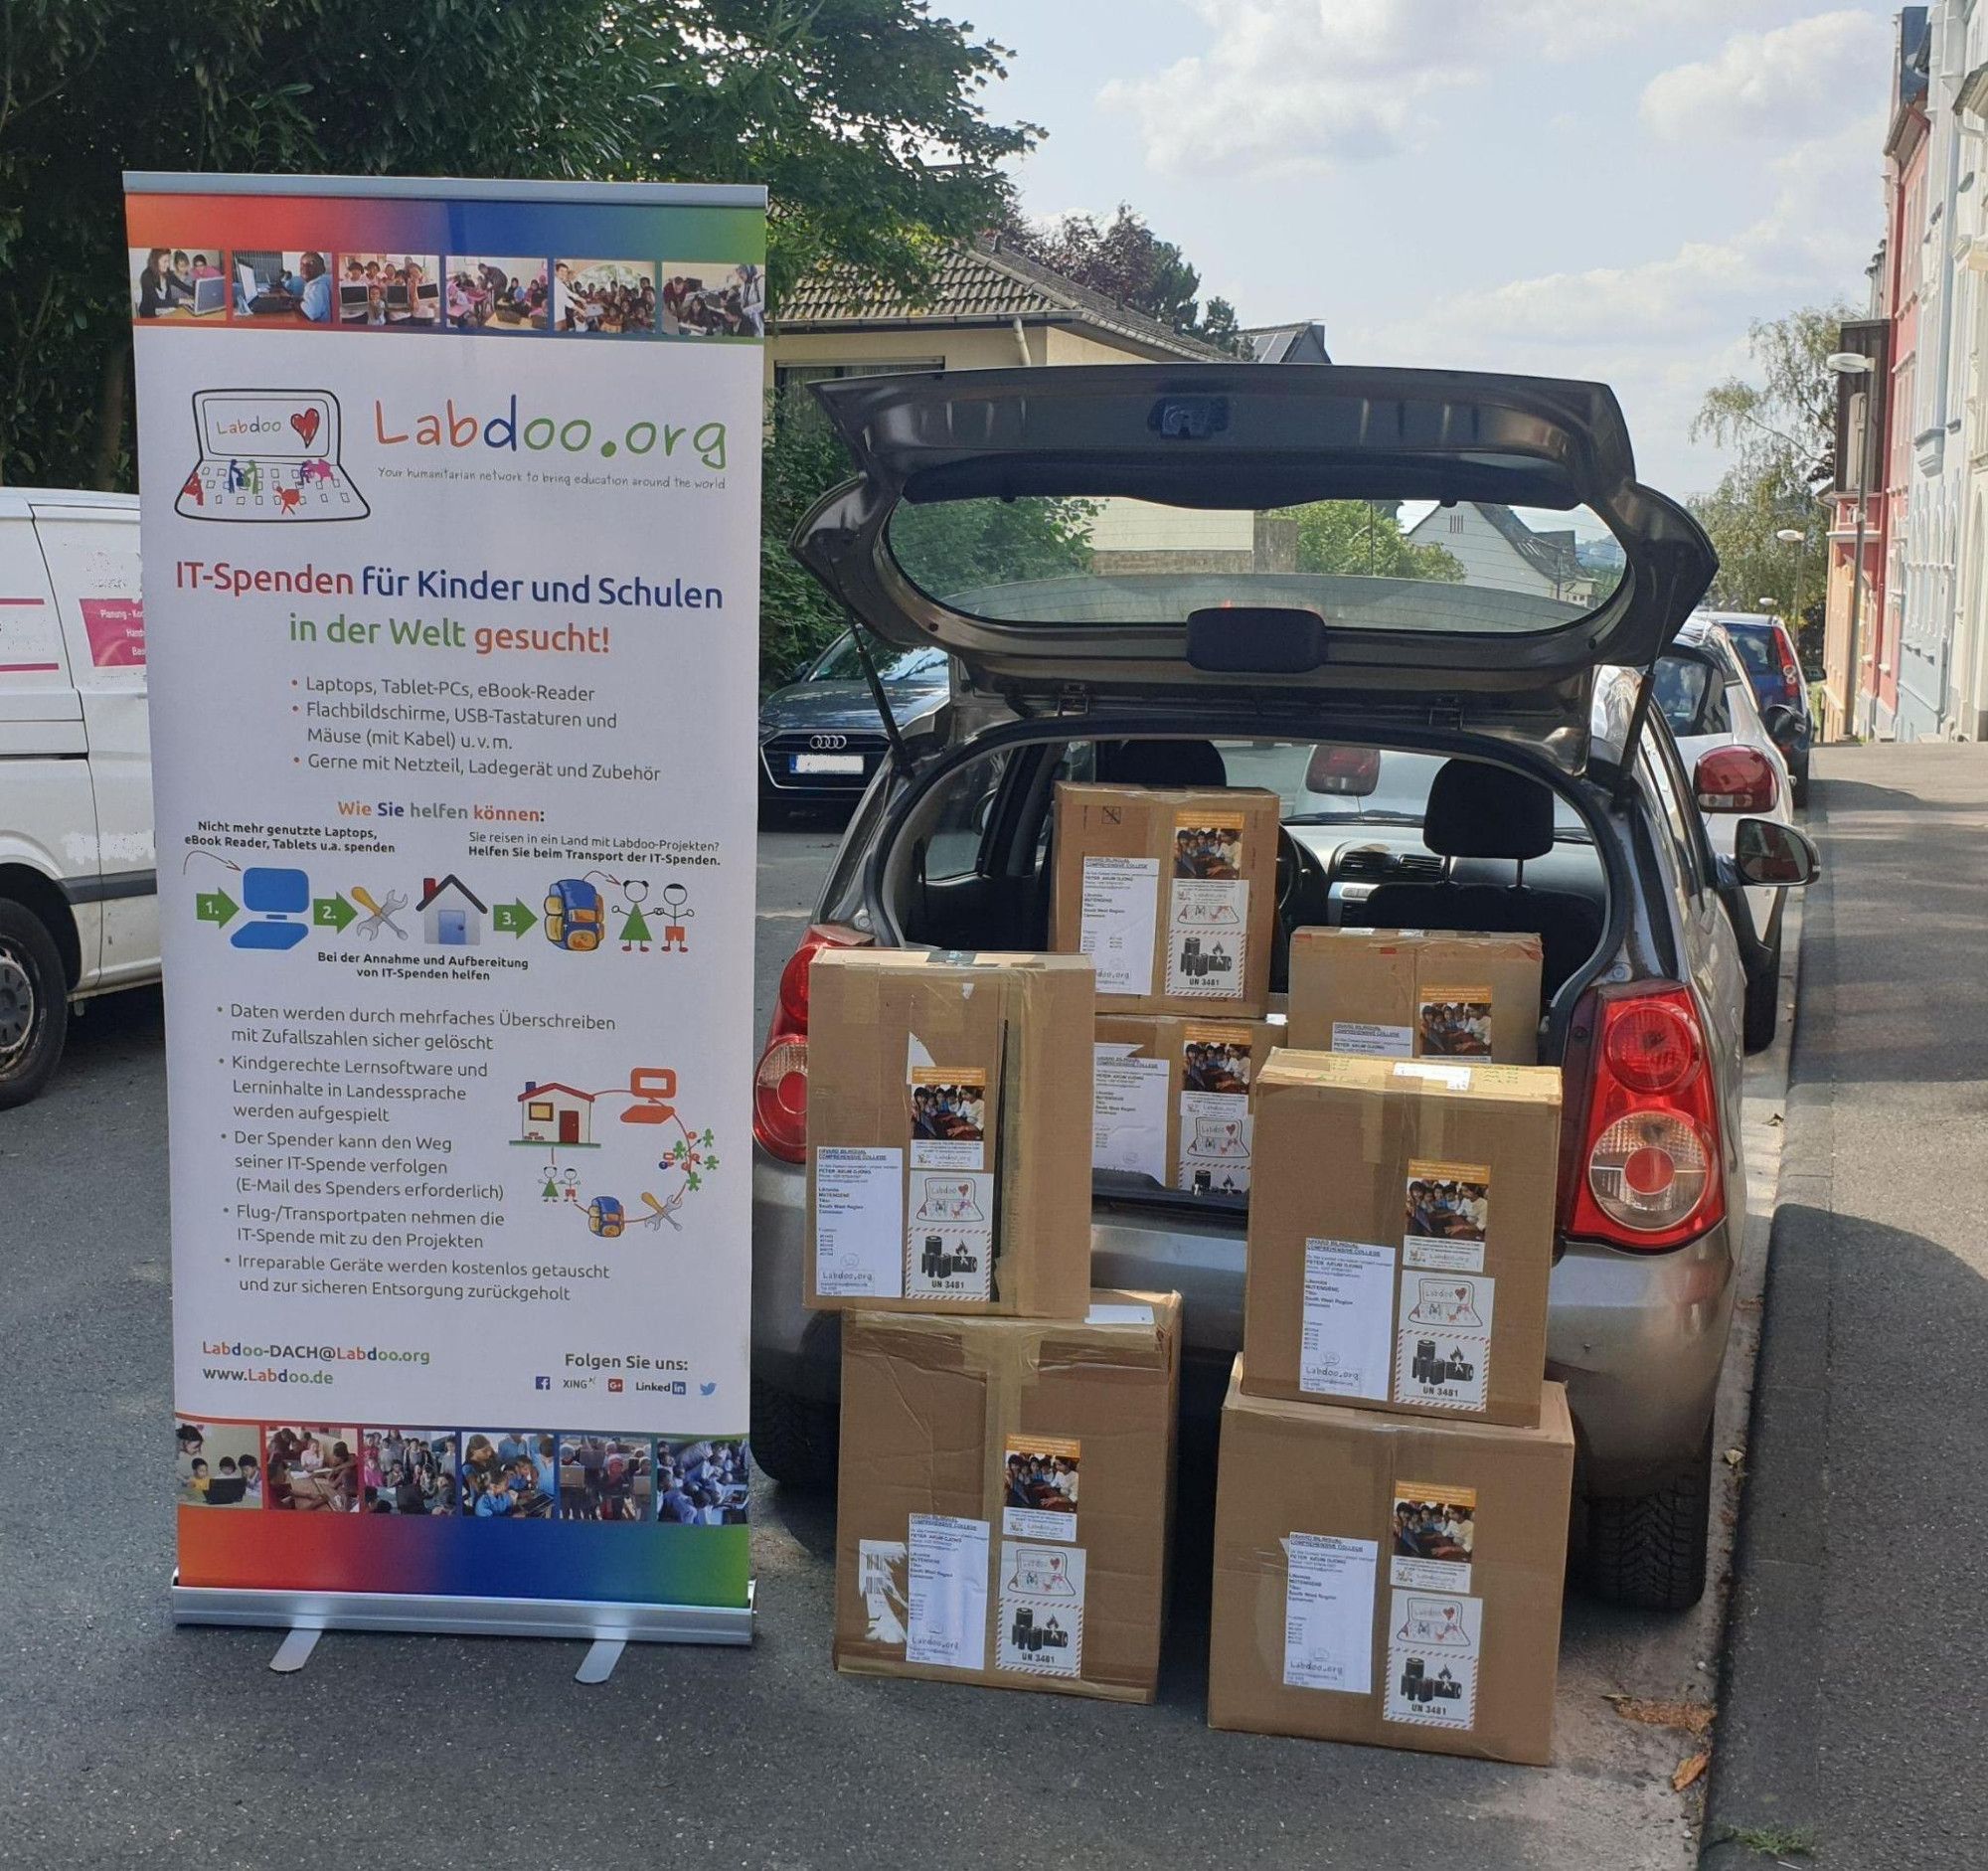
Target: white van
[78,891]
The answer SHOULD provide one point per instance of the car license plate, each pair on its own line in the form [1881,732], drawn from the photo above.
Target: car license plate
[827,762]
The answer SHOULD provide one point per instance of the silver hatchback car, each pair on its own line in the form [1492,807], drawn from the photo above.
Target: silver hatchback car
[1423,606]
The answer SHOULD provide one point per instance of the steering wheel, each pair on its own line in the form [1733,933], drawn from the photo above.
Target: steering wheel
[1298,869]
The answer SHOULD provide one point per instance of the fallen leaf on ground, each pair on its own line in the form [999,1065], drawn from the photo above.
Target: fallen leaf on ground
[1689,1769]
[1734,1456]
[1691,1718]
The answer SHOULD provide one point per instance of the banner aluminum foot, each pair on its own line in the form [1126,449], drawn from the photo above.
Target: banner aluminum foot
[295,1649]
[305,1615]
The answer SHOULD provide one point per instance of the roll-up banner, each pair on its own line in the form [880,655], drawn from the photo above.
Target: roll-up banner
[450,506]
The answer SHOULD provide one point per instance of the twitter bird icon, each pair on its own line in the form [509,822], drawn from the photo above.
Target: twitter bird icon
[705,1390]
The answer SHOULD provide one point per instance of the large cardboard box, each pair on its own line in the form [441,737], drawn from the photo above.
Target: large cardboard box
[1172,894]
[1387,1580]
[948,1116]
[1401,1234]
[1411,993]
[1170,1099]
[1006,1492]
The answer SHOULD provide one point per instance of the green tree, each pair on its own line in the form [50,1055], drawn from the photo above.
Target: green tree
[1127,261]
[954,546]
[865,118]
[1779,426]
[804,458]
[1365,538]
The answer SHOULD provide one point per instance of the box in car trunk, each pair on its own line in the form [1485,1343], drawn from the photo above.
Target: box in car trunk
[1413,994]
[1402,1234]
[1390,1580]
[948,1113]
[1172,894]
[1171,1099]
[1005,1497]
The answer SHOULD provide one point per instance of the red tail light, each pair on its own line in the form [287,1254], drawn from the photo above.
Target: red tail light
[779,1086]
[1643,1167]
[1735,780]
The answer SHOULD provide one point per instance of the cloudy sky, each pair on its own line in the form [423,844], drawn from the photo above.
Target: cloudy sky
[1589,188]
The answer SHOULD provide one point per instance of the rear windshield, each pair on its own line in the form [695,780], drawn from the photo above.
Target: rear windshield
[1470,567]
[1691,696]
[1758,648]
[842,662]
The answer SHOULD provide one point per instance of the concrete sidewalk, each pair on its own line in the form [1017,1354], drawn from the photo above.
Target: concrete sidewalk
[1854,1718]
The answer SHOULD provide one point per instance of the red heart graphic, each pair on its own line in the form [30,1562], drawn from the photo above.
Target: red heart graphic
[305,423]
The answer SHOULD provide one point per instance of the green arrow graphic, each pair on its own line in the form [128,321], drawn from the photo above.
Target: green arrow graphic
[331,912]
[512,917]
[214,906]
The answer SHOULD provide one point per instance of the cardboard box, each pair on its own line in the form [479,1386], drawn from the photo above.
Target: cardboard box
[1170,1099]
[1394,993]
[948,1113]
[1173,894]
[1005,1498]
[1402,1234]
[1390,1581]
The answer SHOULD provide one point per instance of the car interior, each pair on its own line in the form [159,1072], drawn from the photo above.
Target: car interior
[1371,837]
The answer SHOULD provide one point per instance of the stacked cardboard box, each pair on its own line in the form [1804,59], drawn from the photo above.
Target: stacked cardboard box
[1171,893]
[1171,1099]
[1400,1243]
[1411,993]
[1390,1580]
[1005,1497]
[949,1103]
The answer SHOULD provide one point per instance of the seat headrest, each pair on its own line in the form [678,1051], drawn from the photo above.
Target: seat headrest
[1480,812]
[1161,764]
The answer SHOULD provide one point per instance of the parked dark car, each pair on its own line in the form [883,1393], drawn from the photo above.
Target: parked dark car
[1774,673]
[1545,798]
[820,736]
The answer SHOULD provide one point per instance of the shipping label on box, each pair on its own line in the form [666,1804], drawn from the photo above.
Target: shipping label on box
[1217,1064]
[1208,909]
[1117,920]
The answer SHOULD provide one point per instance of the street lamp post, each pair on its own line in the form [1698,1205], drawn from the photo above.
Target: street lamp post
[1796,536]
[1855,364]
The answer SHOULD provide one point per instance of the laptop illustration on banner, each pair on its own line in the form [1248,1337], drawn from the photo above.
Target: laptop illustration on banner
[267,455]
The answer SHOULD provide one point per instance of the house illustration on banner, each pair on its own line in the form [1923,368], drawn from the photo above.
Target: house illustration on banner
[555,1114]
[452,912]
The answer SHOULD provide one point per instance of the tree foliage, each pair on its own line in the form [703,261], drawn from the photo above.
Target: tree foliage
[1365,538]
[865,118]
[954,546]
[804,458]
[1127,261]
[1779,426]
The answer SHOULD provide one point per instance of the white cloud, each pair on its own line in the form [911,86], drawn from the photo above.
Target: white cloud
[1773,85]
[1663,330]
[1284,89]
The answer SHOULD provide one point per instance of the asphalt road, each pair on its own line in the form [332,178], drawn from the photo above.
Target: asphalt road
[125,1741]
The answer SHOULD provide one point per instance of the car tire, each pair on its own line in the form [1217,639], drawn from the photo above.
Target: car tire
[1761,1014]
[796,1439]
[34,1004]
[1647,1552]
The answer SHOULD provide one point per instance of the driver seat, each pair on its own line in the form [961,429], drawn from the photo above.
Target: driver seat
[1477,810]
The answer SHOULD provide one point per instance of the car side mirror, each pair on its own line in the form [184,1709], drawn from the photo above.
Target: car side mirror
[1777,856]
[1781,722]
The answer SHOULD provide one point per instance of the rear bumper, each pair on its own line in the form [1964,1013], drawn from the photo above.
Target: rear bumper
[1638,1339]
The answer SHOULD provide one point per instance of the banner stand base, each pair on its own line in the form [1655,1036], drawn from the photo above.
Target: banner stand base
[607,1628]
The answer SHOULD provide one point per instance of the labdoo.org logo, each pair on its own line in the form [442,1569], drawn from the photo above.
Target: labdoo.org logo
[514,430]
